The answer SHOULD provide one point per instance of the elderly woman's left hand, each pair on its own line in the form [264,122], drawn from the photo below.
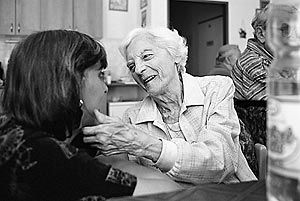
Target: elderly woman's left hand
[113,136]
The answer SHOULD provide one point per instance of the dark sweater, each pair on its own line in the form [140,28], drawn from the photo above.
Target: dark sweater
[49,169]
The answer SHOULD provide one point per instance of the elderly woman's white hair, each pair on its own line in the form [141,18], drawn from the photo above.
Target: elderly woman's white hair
[163,38]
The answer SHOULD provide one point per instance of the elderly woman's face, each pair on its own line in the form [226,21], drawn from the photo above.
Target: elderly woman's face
[152,67]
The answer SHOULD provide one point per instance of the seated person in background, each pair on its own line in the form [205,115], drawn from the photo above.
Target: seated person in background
[187,126]
[249,76]
[51,76]
[250,72]
[225,60]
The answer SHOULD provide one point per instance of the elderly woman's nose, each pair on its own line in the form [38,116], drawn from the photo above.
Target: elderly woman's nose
[139,67]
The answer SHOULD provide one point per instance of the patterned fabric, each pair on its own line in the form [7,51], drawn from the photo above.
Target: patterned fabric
[248,148]
[35,166]
[209,151]
[93,198]
[253,116]
[114,176]
[250,72]
[10,139]
[121,178]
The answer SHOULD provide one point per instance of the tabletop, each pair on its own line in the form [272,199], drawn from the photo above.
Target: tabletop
[245,191]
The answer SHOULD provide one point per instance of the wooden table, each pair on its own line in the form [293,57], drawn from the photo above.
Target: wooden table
[245,191]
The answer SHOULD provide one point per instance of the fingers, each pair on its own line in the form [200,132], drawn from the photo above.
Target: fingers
[99,143]
[91,139]
[91,130]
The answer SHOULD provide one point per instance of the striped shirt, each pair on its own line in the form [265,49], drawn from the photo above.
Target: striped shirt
[250,72]
[207,149]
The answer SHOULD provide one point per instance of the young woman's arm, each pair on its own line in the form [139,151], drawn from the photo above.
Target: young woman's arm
[118,161]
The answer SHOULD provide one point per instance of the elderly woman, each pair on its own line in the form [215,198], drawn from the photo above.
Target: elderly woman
[187,127]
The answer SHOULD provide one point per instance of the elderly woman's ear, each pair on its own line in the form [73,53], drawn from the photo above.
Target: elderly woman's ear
[177,63]
[177,59]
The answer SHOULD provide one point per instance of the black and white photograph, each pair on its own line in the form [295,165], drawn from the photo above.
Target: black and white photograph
[138,100]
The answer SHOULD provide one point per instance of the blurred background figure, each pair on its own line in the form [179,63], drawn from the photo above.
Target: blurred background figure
[225,60]
[250,79]
[250,72]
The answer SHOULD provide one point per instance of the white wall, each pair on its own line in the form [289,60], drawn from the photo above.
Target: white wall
[116,24]
[159,13]
[240,14]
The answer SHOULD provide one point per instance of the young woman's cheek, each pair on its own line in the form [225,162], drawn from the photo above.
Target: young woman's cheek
[96,92]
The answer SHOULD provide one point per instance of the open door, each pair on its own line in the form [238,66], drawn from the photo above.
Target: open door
[210,34]
[205,26]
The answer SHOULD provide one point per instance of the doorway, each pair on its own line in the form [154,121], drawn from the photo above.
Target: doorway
[205,26]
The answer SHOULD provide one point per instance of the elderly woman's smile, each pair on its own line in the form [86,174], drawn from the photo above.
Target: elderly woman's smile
[148,79]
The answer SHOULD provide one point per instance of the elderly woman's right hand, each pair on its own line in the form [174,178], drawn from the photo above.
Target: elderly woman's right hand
[113,136]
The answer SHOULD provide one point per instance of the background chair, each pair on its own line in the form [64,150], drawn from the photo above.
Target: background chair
[261,155]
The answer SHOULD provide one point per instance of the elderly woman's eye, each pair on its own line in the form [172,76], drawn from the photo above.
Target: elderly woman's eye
[147,56]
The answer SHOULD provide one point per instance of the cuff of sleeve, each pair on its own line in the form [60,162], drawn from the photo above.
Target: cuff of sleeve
[168,156]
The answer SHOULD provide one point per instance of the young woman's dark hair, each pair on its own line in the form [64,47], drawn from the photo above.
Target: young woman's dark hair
[44,75]
[53,105]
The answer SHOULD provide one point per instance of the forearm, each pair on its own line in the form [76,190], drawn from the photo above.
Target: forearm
[132,168]
[149,147]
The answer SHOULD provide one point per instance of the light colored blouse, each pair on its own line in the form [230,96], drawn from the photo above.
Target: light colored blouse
[208,149]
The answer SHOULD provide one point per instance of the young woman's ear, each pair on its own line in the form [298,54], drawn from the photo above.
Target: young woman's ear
[261,34]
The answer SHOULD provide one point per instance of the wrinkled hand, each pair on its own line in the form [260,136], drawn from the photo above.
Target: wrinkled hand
[113,136]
